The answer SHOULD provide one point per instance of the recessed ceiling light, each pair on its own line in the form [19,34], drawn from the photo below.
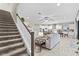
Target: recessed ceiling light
[58,4]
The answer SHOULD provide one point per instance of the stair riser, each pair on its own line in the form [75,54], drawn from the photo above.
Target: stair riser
[19,53]
[2,24]
[9,43]
[10,49]
[8,23]
[8,27]
[8,30]
[6,20]
[8,38]
[3,34]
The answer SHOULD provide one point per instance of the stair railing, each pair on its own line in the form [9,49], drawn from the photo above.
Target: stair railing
[76,25]
[31,34]
[22,19]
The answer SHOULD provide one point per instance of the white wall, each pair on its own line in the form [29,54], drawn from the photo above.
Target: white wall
[11,7]
[7,6]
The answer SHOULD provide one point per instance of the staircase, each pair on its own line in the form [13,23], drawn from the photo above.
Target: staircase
[11,43]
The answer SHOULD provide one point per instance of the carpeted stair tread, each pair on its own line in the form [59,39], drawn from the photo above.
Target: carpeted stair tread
[11,41]
[10,46]
[9,36]
[8,33]
[16,52]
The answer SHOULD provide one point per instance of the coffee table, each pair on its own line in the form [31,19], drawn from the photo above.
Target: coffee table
[40,41]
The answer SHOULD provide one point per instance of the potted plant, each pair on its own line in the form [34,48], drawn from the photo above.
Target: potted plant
[22,19]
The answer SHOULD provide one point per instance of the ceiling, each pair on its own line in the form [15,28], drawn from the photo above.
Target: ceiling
[64,12]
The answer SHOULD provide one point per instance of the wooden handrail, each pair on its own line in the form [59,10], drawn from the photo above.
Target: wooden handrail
[23,23]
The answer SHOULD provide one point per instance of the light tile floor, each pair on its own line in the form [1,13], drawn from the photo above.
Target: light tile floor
[66,47]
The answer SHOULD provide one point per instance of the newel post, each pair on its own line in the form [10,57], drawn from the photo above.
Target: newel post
[32,43]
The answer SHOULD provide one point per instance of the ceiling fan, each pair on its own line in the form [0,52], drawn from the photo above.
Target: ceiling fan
[44,18]
[50,18]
